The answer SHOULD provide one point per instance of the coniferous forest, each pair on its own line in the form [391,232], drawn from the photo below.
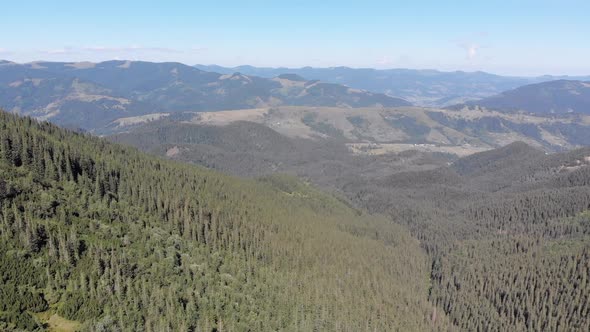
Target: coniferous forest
[96,236]
[506,232]
[100,237]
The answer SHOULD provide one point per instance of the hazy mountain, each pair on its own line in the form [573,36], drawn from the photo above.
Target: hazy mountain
[557,97]
[421,87]
[89,95]
[68,101]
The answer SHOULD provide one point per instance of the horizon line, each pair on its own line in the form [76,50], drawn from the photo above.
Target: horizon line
[302,67]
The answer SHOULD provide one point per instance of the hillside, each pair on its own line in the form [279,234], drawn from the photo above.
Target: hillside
[507,231]
[421,87]
[387,130]
[80,214]
[90,95]
[555,97]
[103,236]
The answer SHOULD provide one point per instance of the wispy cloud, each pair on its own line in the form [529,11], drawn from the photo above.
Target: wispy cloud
[111,49]
[387,61]
[198,49]
[59,51]
[384,60]
[132,48]
[103,52]
[65,50]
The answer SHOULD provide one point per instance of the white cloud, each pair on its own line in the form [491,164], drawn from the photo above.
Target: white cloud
[472,44]
[471,49]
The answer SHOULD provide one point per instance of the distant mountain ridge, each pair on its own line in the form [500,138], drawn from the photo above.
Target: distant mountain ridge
[374,131]
[421,87]
[91,95]
[557,97]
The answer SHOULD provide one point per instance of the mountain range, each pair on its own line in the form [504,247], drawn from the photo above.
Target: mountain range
[420,87]
[117,96]
[91,95]
[339,210]
[94,96]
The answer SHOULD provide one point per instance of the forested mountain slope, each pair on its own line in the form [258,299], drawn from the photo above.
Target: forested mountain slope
[507,231]
[103,237]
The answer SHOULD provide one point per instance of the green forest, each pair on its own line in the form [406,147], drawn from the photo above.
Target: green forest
[100,237]
[97,236]
[509,237]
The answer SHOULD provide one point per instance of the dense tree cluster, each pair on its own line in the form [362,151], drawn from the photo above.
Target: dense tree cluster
[506,230]
[112,239]
[532,278]
[510,249]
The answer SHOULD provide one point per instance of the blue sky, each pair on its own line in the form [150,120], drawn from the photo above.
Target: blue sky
[507,37]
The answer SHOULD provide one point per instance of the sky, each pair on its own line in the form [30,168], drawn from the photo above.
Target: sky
[518,37]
